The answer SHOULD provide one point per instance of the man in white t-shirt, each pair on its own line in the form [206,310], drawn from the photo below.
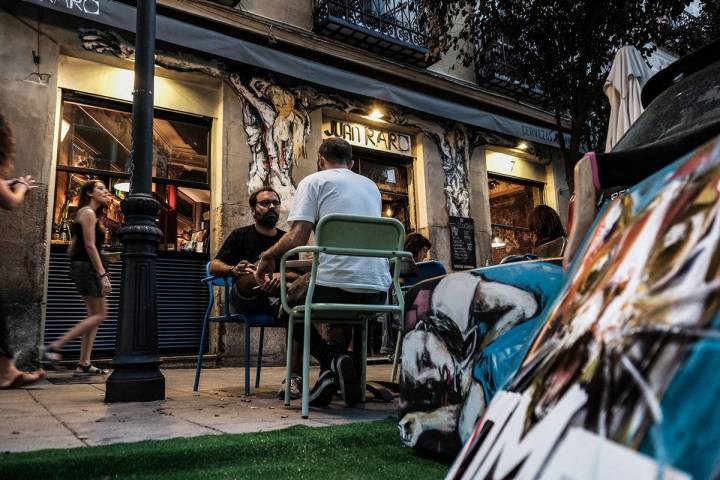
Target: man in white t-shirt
[335,188]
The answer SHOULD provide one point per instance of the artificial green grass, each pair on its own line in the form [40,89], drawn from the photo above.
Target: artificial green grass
[360,450]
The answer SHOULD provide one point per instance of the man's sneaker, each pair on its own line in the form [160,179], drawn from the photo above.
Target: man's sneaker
[349,383]
[324,390]
[295,388]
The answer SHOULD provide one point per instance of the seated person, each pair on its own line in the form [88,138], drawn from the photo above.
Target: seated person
[547,231]
[241,250]
[340,279]
[418,245]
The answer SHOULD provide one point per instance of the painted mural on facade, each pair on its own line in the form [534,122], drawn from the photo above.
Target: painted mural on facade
[276,119]
[465,335]
[623,373]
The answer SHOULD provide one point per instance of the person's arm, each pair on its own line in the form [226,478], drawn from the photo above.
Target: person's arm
[87,219]
[297,236]
[218,268]
[12,197]
[227,261]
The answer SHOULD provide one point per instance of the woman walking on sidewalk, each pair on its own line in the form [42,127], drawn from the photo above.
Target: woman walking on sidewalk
[12,194]
[87,270]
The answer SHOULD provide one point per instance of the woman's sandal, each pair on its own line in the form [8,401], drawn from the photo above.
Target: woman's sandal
[49,355]
[88,370]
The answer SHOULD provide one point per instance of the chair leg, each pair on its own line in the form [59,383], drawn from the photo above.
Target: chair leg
[201,350]
[259,360]
[306,367]
[288,370]
[398,351]
[363,362]
[247,358]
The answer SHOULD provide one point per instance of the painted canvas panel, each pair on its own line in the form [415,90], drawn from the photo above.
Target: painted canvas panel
[630,351]
[465,335]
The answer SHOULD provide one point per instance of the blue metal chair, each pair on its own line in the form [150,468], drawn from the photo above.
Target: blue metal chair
[249,320]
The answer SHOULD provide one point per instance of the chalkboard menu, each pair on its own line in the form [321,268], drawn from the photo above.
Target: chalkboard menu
[462,243]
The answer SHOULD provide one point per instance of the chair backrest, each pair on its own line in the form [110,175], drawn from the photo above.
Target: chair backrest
[354,231]
[552,249]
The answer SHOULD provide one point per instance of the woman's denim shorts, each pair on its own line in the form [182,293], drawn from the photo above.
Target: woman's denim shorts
[86,279]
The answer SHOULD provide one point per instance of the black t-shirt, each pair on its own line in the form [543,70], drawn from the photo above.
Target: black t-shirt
[246,243]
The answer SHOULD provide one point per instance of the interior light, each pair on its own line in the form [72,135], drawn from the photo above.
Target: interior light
[376,114]
[523,146]
[122,187]
[498,242]
[389,212]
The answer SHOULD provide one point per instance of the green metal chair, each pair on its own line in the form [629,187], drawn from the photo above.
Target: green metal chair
[346,235]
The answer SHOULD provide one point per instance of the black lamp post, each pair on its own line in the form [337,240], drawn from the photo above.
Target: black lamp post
[137,376]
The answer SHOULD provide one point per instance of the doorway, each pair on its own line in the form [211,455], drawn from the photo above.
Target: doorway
[511,201]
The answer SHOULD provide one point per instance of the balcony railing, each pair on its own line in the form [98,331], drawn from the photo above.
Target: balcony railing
[387,27]
[496,70]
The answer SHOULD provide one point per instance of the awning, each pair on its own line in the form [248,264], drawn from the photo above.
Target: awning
[121,16]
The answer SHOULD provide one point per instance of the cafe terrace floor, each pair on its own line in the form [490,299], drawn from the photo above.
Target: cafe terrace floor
[57,414]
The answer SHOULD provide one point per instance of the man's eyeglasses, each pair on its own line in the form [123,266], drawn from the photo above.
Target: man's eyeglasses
[269,203]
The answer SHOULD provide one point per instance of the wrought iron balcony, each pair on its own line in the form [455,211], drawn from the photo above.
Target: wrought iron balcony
[386,27]
[496,70]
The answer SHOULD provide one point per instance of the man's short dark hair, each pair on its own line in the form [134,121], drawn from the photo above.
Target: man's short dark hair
[253,197]
[336,150]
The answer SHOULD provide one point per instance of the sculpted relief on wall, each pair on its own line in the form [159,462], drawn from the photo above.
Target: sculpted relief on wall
[276,119]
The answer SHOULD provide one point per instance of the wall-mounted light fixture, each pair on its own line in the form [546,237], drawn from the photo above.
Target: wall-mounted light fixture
[37,77]
[376,114]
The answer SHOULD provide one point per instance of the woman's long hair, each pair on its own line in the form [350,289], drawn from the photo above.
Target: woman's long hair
[85,192]
[7,147]
[545,223]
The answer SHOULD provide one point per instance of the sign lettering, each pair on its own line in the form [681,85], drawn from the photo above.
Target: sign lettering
[369,137]
[91,7]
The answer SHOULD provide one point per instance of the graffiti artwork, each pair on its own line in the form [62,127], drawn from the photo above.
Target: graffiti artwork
[626,361]
[276,119]
[465,334]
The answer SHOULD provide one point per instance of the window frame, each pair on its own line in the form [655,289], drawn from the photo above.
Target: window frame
[125,106]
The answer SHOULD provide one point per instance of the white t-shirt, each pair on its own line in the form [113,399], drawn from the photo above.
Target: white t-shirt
[340,190]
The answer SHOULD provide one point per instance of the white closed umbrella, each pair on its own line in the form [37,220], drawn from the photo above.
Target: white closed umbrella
[623,86]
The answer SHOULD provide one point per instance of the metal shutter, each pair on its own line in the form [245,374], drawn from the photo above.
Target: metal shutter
[182,300]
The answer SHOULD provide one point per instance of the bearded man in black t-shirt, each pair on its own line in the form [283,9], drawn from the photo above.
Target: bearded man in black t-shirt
[242,248]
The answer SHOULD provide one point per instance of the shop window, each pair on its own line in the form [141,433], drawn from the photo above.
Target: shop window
[95,140]
[510,203]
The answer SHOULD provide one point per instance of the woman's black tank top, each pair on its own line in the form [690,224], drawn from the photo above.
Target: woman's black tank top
[78,250]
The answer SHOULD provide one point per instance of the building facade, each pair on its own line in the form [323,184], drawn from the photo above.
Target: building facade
[245,93]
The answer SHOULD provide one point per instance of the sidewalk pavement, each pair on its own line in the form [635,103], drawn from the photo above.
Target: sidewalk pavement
[49,415]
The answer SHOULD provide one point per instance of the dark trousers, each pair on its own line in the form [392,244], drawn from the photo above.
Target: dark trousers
[339,335]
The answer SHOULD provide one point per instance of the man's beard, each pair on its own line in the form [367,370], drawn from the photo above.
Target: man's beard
[268,220]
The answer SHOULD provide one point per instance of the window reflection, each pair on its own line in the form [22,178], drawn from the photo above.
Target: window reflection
[100,138]
[95,143]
